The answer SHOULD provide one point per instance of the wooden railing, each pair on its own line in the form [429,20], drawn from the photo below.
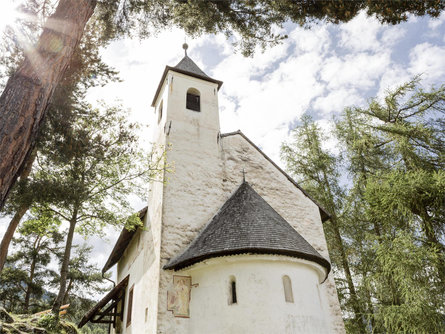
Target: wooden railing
[63,310]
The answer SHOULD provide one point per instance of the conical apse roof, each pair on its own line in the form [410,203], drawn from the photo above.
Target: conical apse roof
[246,223]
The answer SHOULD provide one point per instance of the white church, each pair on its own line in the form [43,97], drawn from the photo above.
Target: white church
[231,244]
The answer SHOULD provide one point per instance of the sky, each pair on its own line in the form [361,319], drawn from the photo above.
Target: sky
[319,71]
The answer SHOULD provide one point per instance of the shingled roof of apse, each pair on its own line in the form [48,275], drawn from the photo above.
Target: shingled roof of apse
[246,223]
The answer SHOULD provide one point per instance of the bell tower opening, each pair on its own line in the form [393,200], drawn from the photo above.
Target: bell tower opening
[193,101]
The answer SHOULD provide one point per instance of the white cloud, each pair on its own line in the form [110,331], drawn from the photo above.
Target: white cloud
[336,100]
[428,60]
[316,39]
[361,33]
[394,76]
[392,34]
[261,97]
[357,70]
[434,23]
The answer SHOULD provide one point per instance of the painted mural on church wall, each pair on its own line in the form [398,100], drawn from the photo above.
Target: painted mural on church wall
[178,298]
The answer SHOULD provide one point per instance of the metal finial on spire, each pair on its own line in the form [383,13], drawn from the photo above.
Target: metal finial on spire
[244,175]
[185,46]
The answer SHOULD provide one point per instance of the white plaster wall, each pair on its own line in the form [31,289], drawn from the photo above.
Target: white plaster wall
[261,306]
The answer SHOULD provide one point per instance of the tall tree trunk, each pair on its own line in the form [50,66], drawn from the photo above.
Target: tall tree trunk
[66,260]
[31,274]
[28,91]
[68,289]
[343,258]
[345,264]
[6,240]
[4,245]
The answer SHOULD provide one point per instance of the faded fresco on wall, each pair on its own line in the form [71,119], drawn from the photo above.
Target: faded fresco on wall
[178,299]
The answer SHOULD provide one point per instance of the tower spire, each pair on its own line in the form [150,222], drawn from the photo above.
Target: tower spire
[185,46]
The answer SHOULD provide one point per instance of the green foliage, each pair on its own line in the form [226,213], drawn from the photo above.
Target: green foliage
[84,279]
[49,322]
[407,285]
[256,23]
[11,291]
[390,213]
[26,274]
[53,325]
[94,170]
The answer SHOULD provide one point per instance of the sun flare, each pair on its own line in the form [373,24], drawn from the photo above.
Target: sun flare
[8,13]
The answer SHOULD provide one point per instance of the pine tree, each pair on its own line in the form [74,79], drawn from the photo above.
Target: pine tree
[390,210]
[395,150]
[86,179]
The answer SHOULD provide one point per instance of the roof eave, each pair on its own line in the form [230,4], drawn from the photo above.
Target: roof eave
[172,265]
[195,75]
[121,244]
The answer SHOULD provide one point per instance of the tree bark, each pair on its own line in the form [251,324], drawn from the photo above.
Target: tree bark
[345,264]
[31,273]
[65,263]
[28,91]
[6,240]
[68,289]
[344,259]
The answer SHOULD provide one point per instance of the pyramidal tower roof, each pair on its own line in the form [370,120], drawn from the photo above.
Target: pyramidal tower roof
[246,223]
[188,67]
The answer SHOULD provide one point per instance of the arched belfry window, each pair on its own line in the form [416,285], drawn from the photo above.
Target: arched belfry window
[193,99]
[287,285]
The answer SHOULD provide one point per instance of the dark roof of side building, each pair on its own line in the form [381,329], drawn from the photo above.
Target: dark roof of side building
[122,243]
[188,67]
[246,223]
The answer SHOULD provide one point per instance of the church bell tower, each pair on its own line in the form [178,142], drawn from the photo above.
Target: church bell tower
[186,106]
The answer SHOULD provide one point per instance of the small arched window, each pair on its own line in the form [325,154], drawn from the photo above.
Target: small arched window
[161,105]
[232,290]
[287,285]
[193,101]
